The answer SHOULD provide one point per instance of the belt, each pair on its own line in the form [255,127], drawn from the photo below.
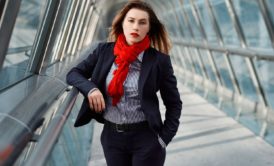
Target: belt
[127,127]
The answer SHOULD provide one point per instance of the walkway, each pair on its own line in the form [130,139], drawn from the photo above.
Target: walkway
[206,137]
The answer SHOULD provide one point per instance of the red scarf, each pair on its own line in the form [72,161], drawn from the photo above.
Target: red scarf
[126,54]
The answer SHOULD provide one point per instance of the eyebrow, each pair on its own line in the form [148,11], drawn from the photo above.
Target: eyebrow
[142,19]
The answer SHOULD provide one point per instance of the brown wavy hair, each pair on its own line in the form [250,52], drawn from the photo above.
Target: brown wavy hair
[157,33]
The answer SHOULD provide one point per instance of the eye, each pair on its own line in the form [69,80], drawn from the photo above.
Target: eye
[143,23]
[131,21]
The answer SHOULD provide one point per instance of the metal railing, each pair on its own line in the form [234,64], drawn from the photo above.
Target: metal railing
[50,136]
[17,127]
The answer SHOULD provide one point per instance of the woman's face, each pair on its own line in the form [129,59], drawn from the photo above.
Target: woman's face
[135,25]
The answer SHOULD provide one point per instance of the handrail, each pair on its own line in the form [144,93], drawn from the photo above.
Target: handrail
[18,127]
[233,51]
[50,136]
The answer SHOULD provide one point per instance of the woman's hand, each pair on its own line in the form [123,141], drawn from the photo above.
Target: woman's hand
[96,101]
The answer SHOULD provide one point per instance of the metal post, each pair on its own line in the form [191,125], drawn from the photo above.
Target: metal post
[41,40]
[198,20]
[266,15]
[220,39]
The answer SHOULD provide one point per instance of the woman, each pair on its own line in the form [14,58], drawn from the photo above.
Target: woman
[125,76]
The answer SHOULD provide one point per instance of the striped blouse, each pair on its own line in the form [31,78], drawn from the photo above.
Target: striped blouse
[128,109]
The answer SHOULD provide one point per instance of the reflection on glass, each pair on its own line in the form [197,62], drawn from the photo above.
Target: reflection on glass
[243,77]
[225,24]
[187,61]
[179,57]
[59,32]
[193,55]
[183,26]
[193,24]
[184,31]
[269,137]
[251,121]
[172,25]
[23,35]
[174,57]
[73,145]
[266,69]
[222,66]
[205,57]
[270,7]
[204,15]
[229,107]
[252,23]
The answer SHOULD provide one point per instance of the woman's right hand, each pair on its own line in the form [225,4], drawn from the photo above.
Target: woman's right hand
[96,101]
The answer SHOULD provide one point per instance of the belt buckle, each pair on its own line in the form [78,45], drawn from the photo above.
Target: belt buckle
[117,129]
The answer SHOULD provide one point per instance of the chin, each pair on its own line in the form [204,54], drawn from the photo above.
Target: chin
[132,42]
[136,41]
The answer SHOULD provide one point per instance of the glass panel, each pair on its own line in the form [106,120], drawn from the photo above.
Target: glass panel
[188,57]
[183,26]
[171,25]
[185,58]
[270,7]
[265,70]
[243,76]
[213,98]
[194,26]
[222,66]
[250,120]
[74,27]
[209,70]
[57,36]
[269,137]
[205,19]
[229,108]
[173,56]
[225,24]
[179,57]
[252,23]
[195,60]
[175,23]
[179,23]
[73,146]
[17,59]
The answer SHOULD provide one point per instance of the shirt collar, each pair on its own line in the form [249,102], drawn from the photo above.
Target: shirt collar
[140,56]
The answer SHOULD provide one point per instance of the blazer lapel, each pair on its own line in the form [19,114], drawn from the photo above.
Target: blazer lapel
[107,61]
[147,62]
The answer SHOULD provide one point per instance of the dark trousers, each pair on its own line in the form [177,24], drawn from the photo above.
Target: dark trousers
[132,148]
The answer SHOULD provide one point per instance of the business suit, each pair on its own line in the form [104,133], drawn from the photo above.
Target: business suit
[156,74]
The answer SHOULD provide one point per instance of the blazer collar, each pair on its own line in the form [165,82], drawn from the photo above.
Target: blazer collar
[147,63]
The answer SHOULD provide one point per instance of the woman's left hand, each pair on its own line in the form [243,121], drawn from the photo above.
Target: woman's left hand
[96,101]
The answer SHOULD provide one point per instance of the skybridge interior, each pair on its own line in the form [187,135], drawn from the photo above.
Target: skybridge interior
[222,55]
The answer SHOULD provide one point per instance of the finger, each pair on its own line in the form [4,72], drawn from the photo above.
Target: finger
[94,101]
[99,105]
[91,104]
[103,103]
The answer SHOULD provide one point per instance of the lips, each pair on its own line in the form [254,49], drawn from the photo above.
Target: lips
[134,34]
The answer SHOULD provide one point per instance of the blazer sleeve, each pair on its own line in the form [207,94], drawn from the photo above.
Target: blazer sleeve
[171,99]
[78,76]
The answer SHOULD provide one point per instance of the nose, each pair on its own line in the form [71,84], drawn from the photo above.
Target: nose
[136,26]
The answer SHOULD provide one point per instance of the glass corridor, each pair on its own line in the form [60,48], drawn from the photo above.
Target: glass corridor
[222,50]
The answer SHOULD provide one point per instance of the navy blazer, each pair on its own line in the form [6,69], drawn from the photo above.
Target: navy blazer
[156,74]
